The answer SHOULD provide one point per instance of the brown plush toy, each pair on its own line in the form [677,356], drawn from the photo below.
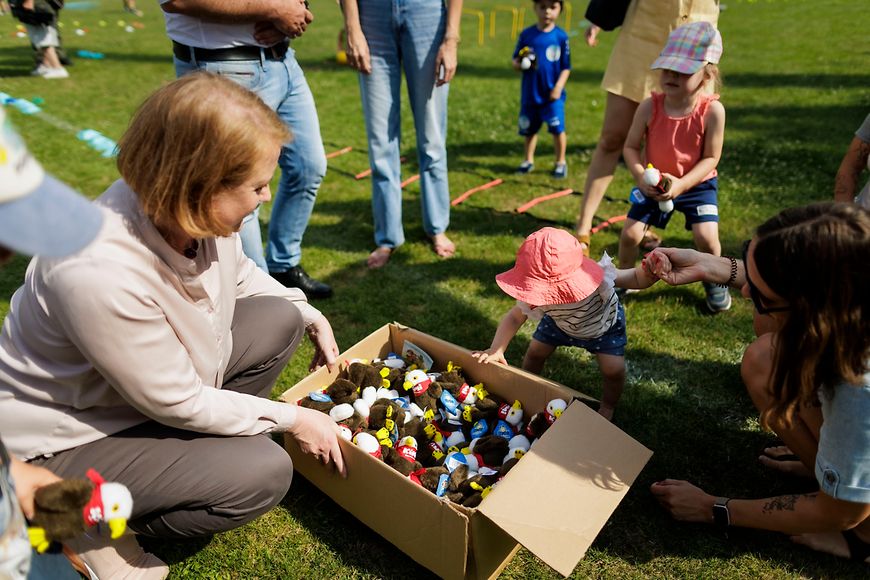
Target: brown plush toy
[403,457]
[342,391]
[318,401]
[66,508]
[489,450]
[424,392]
[386,419]
[366,375]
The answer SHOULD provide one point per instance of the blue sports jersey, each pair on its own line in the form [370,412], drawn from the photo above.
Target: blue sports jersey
[552,56]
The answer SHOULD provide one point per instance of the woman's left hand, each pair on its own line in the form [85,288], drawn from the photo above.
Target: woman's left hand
[29,478]
[685,501]
[447,59]
[325,348]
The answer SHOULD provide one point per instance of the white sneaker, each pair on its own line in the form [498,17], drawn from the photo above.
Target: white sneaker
[55,73]
[121,559]
[39,71]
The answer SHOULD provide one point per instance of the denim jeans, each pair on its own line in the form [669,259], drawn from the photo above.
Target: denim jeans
[405,35]
[282,86]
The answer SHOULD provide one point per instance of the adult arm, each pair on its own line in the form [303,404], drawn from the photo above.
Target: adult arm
[678,266]
[507,329]
[592,35]
[631,150]
[714,132]
[447,58]
[358,55]
[291,17]
[854,162]
[791,514]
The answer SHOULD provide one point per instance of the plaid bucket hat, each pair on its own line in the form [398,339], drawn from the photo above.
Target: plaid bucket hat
[690,47]
[551,269]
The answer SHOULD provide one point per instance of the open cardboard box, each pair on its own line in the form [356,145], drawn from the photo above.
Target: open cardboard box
[554,501]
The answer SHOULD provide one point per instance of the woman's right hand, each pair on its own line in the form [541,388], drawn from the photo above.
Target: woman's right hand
[358,55]
[678,266]
[317,435]
[592,35]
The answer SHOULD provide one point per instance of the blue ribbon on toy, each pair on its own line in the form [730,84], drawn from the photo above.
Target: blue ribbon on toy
[442,485]
[503,429]
[449,402]
[319,397]
[479,428]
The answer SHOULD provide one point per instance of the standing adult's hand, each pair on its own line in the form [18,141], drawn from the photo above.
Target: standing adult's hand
[325,347]
[592,35]
[317,435]
[293,18]
[446,61]
[358,55]
[28,479]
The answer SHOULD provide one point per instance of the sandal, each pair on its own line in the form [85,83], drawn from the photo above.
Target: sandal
[651,240]
[585,243]
[379,257]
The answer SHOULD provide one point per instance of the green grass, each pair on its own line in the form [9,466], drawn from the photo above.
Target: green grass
[795,90]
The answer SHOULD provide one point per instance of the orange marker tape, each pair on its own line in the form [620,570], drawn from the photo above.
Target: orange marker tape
[410,180]
[526,207]
[368,172]
[608,222]
[339,152]
[474,190]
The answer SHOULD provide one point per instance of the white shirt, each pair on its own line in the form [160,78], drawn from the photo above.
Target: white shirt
[129,330]
[194,31]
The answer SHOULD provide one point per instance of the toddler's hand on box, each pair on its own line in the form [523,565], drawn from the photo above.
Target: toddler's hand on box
[486,356]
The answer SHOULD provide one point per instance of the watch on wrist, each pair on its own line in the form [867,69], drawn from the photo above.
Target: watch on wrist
[721,515]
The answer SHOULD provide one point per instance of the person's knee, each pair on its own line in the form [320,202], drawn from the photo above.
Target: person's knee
[632,234]
[612,139]
[755,369]
[262,476]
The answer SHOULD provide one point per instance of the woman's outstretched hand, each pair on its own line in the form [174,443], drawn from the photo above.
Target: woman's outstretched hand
[677,266]
[685,502]
[317,435]
[325,347]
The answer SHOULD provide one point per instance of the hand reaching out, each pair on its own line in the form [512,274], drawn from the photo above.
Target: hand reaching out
[325,347]
[592,35]
[490,356]
[678,266]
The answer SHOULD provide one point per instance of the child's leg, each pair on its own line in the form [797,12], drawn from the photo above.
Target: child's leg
[536,355]
[560,144]
[629,240]
[530,145]
[706,236]
[50,58]
[613,373]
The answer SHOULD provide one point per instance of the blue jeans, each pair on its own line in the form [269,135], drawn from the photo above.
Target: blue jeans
[282,86]
[405,35]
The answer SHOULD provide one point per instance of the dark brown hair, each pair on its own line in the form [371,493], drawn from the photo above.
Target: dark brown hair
[817,258]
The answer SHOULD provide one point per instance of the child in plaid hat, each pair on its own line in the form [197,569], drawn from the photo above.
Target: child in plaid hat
[679,131]
[574,301]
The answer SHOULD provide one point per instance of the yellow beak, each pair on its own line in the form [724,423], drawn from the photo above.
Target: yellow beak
[117,526]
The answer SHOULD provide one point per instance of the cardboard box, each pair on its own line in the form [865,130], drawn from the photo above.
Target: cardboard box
[554,501]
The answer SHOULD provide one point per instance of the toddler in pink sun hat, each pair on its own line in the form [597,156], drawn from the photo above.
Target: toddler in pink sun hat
[574,299]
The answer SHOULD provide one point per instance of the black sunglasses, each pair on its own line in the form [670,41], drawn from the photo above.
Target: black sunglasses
[754,292]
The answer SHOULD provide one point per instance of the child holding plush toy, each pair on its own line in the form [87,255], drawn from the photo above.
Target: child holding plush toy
[576,303]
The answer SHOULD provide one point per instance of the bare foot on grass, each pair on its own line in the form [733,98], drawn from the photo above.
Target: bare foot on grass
[443,246]
[379,257]
[782,459]
[828,542]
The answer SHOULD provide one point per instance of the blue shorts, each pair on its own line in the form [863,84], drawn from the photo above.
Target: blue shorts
[532,116]
[611,342]
[699,204]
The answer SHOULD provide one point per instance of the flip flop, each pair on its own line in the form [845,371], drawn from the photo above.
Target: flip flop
[586,243]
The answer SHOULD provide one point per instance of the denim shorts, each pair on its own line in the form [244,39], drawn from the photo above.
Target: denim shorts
[532,116]
[611,342]
[699,204]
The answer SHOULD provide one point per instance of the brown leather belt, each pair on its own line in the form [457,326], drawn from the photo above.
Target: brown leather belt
[183,52]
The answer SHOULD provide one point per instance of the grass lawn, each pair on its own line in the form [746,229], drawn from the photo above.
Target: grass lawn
[796,78]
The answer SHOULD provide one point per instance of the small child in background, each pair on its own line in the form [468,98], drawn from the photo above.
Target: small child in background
[542,53]
[574,300]
[39,18]
[680,132]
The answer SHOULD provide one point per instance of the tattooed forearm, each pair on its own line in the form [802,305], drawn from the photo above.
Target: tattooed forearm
[784,503]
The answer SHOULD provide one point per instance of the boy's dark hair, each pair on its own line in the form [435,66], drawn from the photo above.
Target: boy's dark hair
[559,2]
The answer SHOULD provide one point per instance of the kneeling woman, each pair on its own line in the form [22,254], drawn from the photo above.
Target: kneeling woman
[150,354]
[807,271]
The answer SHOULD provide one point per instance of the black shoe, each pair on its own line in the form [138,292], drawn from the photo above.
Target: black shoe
[296,277]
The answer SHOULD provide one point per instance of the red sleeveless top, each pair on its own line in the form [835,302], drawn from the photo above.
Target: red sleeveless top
[675,144]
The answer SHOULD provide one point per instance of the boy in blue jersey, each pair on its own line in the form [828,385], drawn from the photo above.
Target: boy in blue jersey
[542,54]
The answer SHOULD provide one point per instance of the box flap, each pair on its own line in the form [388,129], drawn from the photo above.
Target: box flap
[558,497]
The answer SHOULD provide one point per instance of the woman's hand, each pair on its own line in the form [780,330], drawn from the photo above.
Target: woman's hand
[317,435]
[678,266]
[29,478]
[592,35]
[325,348]
[358,55]
[684,501]
[446,61]
[489,356]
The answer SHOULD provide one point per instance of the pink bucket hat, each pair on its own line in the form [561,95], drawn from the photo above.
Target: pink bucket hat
[690,47]
[551,269]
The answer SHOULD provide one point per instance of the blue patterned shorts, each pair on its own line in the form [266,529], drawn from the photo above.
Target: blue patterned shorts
[611,342]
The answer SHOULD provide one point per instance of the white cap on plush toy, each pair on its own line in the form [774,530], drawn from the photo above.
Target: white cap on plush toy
[39,214]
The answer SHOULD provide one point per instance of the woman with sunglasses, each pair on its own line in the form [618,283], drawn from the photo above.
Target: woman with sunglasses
[807,271]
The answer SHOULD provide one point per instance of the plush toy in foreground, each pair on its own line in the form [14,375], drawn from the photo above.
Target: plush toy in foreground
[66,508]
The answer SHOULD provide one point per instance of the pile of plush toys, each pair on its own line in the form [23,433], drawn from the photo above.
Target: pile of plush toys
[454,439]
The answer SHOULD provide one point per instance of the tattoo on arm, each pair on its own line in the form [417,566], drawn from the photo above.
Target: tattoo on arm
[784,503]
